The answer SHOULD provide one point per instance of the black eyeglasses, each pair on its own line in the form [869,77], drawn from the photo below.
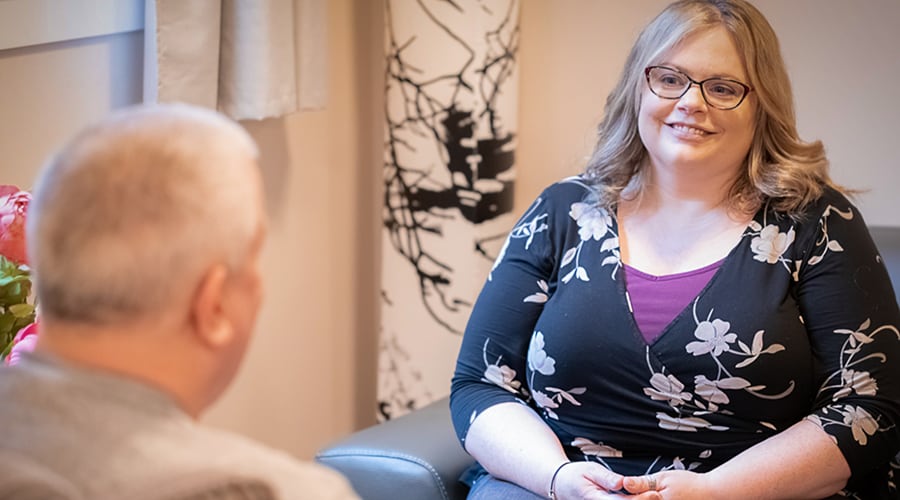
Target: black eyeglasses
[720,93]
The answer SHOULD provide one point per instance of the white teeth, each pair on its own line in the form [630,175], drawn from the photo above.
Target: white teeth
[689,130]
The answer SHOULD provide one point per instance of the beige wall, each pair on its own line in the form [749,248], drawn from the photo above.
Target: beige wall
[309,375]
[49,91]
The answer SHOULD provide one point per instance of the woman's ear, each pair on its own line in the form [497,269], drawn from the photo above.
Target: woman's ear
[208,316]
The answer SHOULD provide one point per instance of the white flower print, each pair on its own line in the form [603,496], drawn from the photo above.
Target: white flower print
[716,340]
[857,338]
[667,388]
[539,297]
[538,360]
[593,222]
[686,424]
[560,394]
[678,463]
[859,382]
[770,244]
[589,447]
[714,337]
[526,229]
[847,381]
[504,376]
[825,242]
[753,352]
[708,390]
[547,403]
[547,398]
[861,423]
[501,375]
[713,391]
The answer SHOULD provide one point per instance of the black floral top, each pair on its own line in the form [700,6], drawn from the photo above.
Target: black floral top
[800,321]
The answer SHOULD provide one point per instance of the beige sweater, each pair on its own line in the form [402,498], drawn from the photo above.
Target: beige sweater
[113,438]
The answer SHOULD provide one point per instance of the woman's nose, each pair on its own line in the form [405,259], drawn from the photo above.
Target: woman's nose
[693,99]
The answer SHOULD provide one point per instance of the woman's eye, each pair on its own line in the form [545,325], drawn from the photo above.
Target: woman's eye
[671,80]
[723,89]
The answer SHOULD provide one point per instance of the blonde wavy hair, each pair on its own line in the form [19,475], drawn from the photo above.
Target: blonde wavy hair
[780,168]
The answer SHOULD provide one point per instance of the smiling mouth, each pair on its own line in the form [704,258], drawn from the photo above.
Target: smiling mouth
[688,130]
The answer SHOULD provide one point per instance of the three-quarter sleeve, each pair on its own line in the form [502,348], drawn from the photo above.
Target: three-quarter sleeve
[492,363]
[851,315]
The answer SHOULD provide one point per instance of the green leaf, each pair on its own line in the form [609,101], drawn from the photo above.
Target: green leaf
[21,310]
[22,322]
[6,351]
[7,321]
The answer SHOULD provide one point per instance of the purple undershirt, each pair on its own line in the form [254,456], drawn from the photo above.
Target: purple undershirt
[657,300]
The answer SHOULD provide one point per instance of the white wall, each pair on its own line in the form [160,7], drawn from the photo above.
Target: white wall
[841,56]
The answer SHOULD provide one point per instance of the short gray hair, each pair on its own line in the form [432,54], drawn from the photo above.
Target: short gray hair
[129,213]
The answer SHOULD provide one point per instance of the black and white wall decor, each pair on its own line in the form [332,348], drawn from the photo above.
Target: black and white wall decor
[450,109]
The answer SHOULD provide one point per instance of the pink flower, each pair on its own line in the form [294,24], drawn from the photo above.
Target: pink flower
[13,208]
[24,341]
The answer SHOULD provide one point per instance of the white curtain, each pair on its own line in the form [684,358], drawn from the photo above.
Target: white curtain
[250,59]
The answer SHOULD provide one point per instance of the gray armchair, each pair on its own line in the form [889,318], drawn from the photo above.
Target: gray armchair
[417,456]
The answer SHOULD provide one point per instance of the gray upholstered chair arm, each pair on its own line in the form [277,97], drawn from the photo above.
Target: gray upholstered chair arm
[888,241]
[416,456]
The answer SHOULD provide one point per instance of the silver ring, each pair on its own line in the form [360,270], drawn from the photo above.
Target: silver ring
[651,483]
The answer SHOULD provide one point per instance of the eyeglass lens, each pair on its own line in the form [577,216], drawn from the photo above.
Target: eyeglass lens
[720,93]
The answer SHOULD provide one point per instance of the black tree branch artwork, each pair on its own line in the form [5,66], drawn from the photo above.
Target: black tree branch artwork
[453,121]
[406,391]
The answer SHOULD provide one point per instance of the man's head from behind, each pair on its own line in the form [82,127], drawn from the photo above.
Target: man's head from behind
[145,230]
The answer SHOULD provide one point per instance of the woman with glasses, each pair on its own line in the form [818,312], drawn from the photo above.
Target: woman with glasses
[701,314]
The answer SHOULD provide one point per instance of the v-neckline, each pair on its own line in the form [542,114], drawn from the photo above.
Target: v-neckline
[726,262]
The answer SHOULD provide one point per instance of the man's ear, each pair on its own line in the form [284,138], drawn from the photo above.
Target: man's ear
[208,317]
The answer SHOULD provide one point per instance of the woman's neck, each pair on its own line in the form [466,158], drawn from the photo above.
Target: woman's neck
[687,191]
[678,223]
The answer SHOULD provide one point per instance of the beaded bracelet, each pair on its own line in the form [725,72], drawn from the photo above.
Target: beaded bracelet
[552,493]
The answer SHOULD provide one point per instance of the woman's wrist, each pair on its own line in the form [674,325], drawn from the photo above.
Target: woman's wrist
[551,491]
[714,485]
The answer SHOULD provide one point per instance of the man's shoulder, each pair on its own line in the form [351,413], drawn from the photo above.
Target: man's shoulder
[141,447]
[288,476]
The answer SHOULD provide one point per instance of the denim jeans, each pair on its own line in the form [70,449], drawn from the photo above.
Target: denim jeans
[488,487]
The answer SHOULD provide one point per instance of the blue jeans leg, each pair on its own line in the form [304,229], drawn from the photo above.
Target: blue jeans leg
[490,488]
